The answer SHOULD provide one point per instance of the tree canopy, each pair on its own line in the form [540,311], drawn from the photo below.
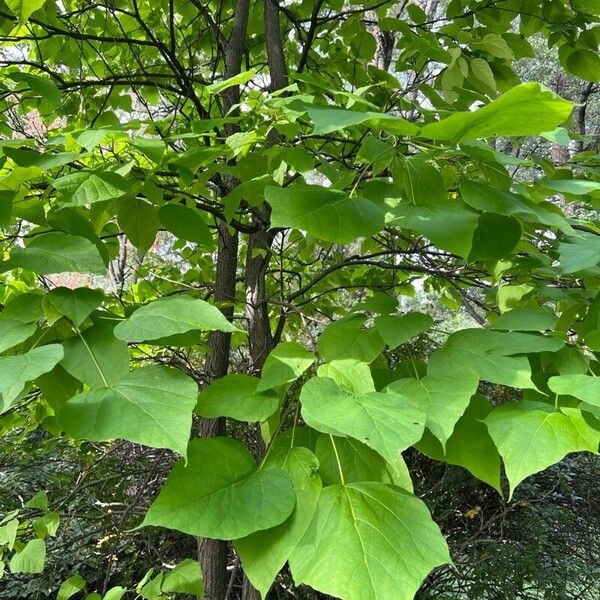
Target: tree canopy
[228,225]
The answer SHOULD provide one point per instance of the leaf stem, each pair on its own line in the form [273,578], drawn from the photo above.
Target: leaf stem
[337,458]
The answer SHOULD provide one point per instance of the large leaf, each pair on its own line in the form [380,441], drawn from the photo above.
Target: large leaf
[16,371]
[264,553]
[84,188]
[387,423]
[171,316]
[398,329]
[96,357]
[151,405]
[286,362]
[236,396]
[23,9]
[13,332]
[368,541]
[526,109]
[30,559]
[75,304]
[329,215]
[529,440]
[525,319]
[484,354]
[186,223]
[139,221]
[470,445]
[583,387]
[348,339]
[57,252]
[221,494]
[580,252]
[443,394]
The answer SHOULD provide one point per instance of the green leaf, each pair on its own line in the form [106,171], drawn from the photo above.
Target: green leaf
[348,339]
[286,362]
[16,370]
[387,423]
[26,308]
[526,109]
[236,80]
[357,463]
[482,352]
[23,9]
[328,119]
[264,553]
[84,188]
[139,221]
[577,254]
[152,406]
[584,63]
[186,223]
[530,440]
[443,395]
[75,304]
[57,252]
[96,357]
[13,333]
[220,494]
[496,237]
[30,559]
[70,587]
[381,540]
[236,396]
[470,445]
[448,224]
[172,316]
[185,578]
[329,215]
[583,387]
[39,501]
[573,187]
[399,329]
[525,319]
[351,375]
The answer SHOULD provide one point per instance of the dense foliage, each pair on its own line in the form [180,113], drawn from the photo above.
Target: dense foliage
[288,286]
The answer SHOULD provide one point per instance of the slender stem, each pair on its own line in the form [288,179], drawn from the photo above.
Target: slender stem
[337,458]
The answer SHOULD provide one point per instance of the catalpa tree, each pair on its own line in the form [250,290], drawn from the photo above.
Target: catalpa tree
[211,212]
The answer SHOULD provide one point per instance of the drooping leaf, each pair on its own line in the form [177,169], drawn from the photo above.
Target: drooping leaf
[329,215]
[349,374]
[17,370]
[398,329]
[443,394]
[75,304]
[526,109]
[185,578]
[13,332]
[285,363]
[57,252]
[186,223]
[236,396]
[525,319]
[171,316]
[264,553]
[582,252]
[30,559]
[387,423]
[381,540]
[530,440]
[23,9]
[139,221]
[583,387]
[221,494]
[96,357]
[348,339]
[85,188]
[470,445]
[151,405]
[70,587]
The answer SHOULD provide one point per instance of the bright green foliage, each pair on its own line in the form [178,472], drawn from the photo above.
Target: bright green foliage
[388,423]
[151,405]
[30,559]
[380,542]
[189,234]
[226,498]
[529,440]
[169,317]
[264,553]
[443,395]
[57,252]
[236,396]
